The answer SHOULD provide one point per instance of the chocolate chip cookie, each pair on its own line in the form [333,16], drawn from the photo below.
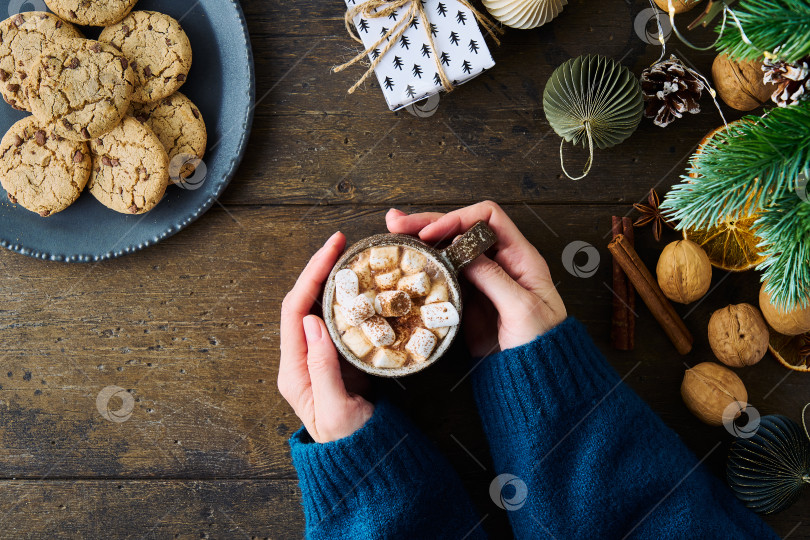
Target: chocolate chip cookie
[158,50]
[41,171]
[178,124]
[23,38]
[83,90]
[130,168]
[91,12]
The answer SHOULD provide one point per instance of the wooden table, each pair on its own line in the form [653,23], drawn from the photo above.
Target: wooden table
[190,327]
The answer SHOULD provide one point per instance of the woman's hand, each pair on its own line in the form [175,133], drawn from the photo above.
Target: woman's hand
[310,376]
[516,300]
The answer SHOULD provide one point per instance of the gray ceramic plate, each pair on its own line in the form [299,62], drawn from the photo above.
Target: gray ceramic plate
[221,83]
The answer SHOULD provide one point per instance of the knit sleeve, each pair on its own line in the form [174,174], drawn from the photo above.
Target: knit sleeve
[386,480]
[590,457]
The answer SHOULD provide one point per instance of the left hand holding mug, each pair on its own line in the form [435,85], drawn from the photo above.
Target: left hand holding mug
[310,376]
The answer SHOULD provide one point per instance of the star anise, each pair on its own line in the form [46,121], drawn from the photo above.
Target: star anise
[651,213]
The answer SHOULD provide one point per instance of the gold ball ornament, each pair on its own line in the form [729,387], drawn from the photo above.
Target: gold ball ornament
[680,5]
[740,84]
[738,335]
[684,271]
[789,323]
[708,389]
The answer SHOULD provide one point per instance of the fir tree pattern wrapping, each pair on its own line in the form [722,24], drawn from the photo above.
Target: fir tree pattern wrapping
[408,71]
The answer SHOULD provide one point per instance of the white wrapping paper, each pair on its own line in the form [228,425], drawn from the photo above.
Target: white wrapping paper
[408,72]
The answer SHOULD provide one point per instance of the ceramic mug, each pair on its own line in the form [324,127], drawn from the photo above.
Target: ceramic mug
[449,262]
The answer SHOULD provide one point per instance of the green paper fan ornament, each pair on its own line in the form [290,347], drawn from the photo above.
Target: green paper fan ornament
[594,101]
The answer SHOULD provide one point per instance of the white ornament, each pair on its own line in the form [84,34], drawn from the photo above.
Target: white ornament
[524,14]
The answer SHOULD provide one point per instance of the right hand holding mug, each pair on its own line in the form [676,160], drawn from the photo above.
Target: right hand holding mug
[516,300]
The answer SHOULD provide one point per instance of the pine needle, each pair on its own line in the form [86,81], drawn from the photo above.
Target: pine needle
[756,167]
[778,27]
[785,233]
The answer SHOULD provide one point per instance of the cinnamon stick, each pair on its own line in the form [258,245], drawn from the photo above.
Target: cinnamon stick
[620,327]
[627,228]
[651,293]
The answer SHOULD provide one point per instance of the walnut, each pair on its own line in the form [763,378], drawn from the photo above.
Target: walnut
[684,271]
[740,84]
[709,388]
[738,335]
[791,323]
[679,5]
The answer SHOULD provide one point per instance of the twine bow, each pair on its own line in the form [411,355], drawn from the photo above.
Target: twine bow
[372,9]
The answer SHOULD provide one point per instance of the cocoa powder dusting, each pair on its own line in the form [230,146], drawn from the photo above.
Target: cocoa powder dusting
[403,326]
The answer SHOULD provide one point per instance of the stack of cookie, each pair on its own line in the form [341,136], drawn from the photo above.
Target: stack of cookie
[107,114]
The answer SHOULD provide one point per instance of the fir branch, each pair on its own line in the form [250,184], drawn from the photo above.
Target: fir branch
[741,169]
[785,232]
[770,25]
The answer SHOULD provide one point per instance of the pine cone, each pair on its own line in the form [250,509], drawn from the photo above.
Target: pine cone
[670,89]
[792,80]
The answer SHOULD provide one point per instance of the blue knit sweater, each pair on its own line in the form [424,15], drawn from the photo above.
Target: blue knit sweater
[591,460]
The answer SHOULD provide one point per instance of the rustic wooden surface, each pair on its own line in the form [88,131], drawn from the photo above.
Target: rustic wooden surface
[190,327]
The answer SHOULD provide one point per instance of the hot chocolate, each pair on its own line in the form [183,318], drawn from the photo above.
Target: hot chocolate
[391,306]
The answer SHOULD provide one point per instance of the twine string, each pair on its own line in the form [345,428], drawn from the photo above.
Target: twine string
[488,24]
[367,9]
[806,476]
[373,9]
[588,163]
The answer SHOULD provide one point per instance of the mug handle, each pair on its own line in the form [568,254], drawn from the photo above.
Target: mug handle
[469,246]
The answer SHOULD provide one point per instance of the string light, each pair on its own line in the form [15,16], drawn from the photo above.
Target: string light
[727,12]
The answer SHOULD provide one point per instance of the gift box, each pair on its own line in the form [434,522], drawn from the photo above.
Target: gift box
[409,70]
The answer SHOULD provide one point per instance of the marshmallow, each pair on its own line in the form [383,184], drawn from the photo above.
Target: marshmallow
[363,271]
[378,331]
[383,258]
[412,262]
[386,358]
[438,315]
[340,320]
[389,280]
[359,310]
[356,341]
[392,303]
[421,344]
[370,295]
[347,287]
[438,293]
[415,285]
[441,331]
